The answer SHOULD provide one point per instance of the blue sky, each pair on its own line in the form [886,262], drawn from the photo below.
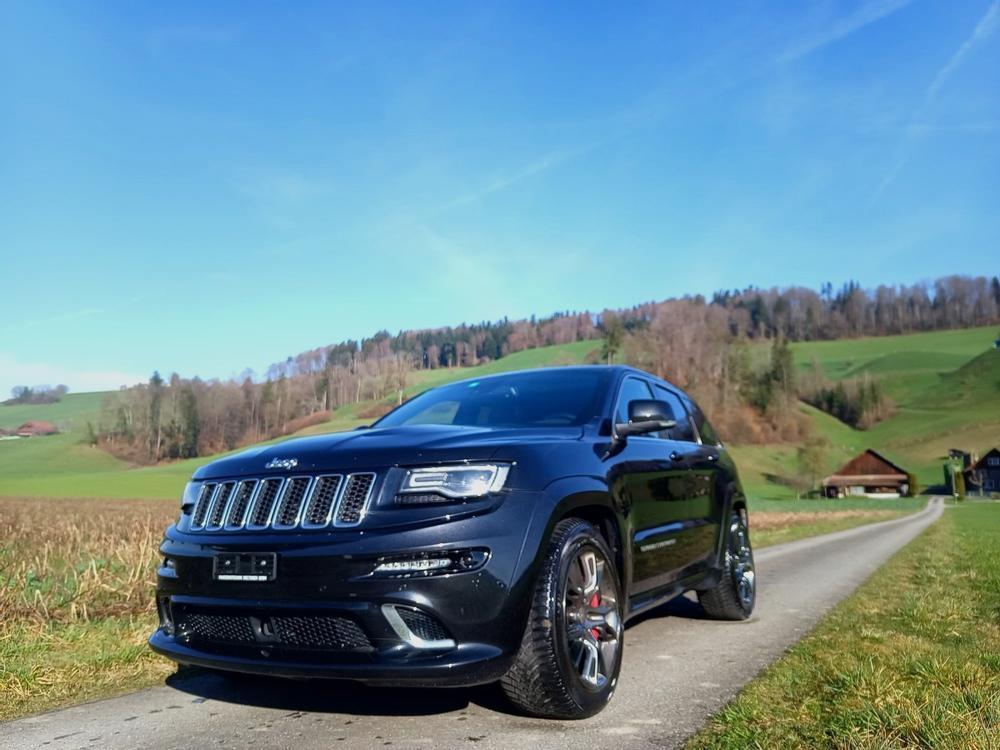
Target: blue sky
[214,186]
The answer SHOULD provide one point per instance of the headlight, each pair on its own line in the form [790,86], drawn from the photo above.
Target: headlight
[441,483]
[190,497]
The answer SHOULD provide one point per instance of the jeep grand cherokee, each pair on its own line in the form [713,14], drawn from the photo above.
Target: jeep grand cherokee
[501,528]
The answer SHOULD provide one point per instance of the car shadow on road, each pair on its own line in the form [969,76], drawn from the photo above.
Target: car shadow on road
[686,607]
[333,696]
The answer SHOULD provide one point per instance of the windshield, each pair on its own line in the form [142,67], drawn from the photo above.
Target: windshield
[544,398]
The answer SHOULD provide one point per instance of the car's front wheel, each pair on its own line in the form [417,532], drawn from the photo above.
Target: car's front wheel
[733,598]
[571,652]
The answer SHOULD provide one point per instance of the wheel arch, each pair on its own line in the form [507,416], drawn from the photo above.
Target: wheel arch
[589,499]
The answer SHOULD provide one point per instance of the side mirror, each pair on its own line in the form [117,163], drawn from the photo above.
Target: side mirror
[646,410]
[645,416]
[643,428]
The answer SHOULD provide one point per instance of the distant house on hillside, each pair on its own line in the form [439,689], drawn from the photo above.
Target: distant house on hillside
[868,474]
[36,427]
[983,476]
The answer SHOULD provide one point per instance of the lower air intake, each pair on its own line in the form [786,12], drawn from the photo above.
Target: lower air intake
[422,625]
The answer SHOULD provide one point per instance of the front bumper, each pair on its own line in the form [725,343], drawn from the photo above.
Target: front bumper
[324,614]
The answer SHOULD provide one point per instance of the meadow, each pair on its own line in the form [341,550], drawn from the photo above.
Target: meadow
[76,599]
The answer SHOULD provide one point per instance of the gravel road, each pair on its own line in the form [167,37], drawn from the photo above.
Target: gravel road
[679,669]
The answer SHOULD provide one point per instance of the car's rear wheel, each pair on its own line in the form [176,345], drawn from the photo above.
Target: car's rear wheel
[736,593]
[571,652]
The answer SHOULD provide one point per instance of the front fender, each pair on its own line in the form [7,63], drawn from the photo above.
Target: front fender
[584,496]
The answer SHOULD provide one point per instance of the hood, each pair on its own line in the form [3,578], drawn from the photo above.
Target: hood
[386,446]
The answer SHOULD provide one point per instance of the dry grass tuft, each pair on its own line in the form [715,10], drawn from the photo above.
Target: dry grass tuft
[77,578]
[771,520]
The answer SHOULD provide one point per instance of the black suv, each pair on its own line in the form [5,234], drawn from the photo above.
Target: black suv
[502,528]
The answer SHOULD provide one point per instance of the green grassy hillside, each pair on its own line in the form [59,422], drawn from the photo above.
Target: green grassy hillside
[946,385]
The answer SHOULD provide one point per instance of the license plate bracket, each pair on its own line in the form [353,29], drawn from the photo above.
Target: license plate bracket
[245,566]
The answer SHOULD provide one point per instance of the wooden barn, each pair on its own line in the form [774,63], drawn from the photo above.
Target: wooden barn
[983,476]
[868,474]
[36,427]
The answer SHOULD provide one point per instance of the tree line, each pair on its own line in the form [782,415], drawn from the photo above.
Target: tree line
[701,344]
[39,394]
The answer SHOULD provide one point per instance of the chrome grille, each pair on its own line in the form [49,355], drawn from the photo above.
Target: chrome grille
[320,505]
[237,514]
[287,515]
[260,516]
[201,507]
[219,504]
[352,505]
[298,502]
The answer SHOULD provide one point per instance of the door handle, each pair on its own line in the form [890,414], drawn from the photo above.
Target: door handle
[675,456]
[713,457]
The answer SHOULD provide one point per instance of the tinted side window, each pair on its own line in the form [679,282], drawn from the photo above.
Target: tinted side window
[683,430]
[708,434]
[632,389]
[705,430]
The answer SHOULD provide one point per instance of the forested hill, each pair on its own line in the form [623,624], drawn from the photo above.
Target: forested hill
[701,344]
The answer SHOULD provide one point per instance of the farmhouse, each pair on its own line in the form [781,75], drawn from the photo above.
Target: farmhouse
[36,427]
[868,474]
[983,476]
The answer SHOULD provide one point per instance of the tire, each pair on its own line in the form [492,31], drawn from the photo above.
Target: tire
[733,598]
[571,652]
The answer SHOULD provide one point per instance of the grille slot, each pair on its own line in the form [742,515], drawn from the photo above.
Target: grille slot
[354,499]
[237,515]
[260,516]
[215,627]
[317,514]
[219,505]
[240,627]
[201,507]
[287,515]
[320,631]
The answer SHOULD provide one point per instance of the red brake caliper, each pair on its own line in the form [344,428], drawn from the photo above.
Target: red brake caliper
[595,601]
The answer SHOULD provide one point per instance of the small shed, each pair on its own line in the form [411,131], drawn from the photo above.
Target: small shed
[869,474]
[983,476]
[36,427]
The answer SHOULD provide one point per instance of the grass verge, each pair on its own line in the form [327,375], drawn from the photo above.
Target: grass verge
[779,521]
[76,599]
[911,660]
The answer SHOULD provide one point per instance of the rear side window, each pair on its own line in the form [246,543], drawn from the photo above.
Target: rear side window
[708,434]
[632,389]
[683,430]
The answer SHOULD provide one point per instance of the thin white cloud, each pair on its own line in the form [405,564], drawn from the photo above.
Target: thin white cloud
[532,169]
[15,372]
[843,27]
[919,126]
[986,27]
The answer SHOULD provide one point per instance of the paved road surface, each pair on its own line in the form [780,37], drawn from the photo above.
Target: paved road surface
[676,674]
